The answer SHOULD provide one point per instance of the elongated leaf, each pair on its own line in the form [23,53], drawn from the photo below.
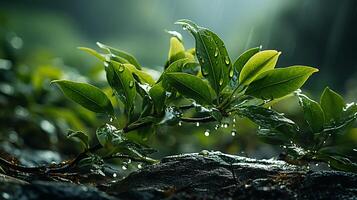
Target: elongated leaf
[279,82]
[108,136]
[269,119]
[86,95]
[130,58]
[212,55]
[176,51]
[313,113]
[332,104]
[257,64]
[93,53]
[190,86]
[122,81]
[81,136]
[244,57]
[158,96]
[143,77]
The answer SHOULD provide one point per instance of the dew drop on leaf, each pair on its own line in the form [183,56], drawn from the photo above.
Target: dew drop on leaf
[197,123]
[140,166]
[204,72]
[114,175]
[226,60]
[221,81]
[231,73]
[180,123]
[121,68]
[131,84]
[124,167]
[216,52]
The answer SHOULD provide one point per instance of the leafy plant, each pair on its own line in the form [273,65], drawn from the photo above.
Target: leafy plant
[203,85]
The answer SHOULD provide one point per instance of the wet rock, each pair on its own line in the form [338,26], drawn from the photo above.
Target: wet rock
[205,175]
[215,175]
[40,190]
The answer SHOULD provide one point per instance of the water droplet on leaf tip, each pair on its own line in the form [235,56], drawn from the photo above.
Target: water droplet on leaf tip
[114,175]
[140,166]
[221,82]
[124,167]
[197,123]
[180,123]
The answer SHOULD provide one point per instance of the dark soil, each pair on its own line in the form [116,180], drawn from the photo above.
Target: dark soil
[203,175]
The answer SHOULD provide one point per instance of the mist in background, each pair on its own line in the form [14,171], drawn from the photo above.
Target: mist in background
[318,33]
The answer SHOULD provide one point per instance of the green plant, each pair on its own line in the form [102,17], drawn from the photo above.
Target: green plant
[197,85]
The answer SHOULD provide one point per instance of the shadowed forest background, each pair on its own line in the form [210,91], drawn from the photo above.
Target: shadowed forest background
[38,41]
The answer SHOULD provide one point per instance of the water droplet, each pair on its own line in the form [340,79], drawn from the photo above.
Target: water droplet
[180,123]
[221,81]
[234,120]
[140,166]
[5,195]
[234,125]
[226,60]
[114,175]
[129,161]
[231,73]
[124,167]
[111,119]
[225,125]
[216,126]
[207,133]
[197,123]
[204,72]
[121,68]
[317,164]
[131,84]
[234,132]
[216,52]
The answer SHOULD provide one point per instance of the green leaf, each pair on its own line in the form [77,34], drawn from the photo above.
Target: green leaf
[108,136]
[142,76]
[313,113]
[83,137]
[176,51]
[279,82]
[93,53]
[158,96]
[332,104]
[177,66]
[211,54]
[257,64]
[244,57]
[122,81]
[190,86]
[86,95]
[339,162]
[122,54]
[269,119]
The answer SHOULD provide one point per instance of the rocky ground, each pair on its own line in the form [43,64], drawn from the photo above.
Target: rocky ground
[205,175]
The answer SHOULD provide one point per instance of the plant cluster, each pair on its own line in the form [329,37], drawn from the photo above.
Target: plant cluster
[203,85]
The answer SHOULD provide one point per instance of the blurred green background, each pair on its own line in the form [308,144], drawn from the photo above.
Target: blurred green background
[38,42]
